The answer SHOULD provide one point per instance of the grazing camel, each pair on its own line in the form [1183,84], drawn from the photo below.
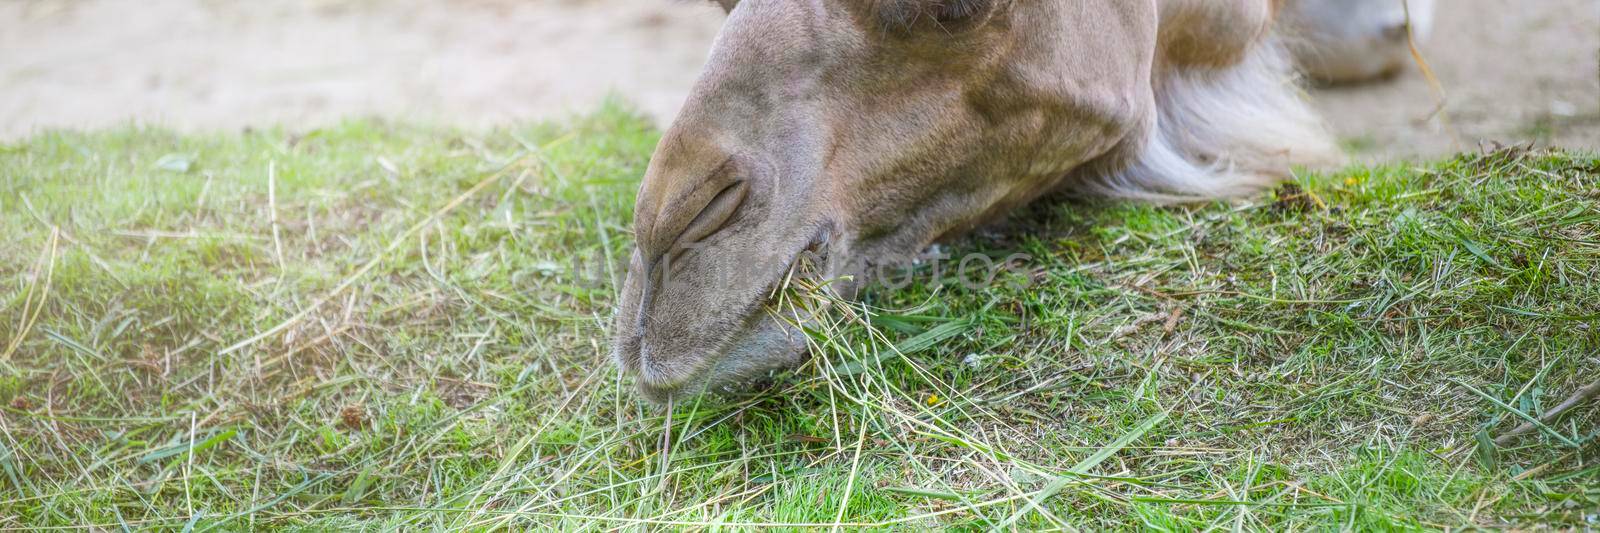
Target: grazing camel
[864,130]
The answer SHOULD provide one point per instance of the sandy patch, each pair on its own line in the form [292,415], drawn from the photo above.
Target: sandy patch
[1513,70]
[197,64]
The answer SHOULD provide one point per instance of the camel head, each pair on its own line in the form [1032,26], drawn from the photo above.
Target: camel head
[861,131]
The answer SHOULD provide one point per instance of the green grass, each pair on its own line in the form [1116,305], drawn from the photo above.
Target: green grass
[420,341]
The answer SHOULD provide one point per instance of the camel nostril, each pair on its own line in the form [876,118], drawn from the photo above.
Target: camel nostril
[716,214]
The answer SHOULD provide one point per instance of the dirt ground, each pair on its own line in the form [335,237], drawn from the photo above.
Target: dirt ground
[1511,69]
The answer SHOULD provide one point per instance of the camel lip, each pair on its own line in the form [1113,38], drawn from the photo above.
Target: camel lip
[705,383]
[659,381]
[765,343]
[662,395]
[699,375]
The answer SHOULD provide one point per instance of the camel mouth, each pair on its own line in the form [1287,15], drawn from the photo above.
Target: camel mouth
[765,334]
[766,344]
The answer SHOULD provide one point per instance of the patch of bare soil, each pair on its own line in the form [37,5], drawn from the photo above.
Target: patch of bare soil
[1511,70]
[199,64]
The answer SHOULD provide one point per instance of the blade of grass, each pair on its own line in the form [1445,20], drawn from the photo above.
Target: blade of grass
[1524,416]
[912,345]
[1084,466]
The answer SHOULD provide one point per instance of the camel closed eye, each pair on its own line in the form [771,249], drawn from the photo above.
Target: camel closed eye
[947,15]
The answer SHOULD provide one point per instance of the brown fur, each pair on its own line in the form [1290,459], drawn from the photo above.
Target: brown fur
[869,129]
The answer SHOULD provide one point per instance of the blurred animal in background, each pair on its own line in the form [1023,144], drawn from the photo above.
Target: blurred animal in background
[1351,41]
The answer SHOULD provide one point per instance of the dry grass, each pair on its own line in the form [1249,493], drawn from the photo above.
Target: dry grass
[388,327]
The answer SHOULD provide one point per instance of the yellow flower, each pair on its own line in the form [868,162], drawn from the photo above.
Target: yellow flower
[933,399]
[1351,181]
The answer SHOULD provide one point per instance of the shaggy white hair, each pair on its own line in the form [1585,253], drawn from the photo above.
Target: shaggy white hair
[1223,132]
